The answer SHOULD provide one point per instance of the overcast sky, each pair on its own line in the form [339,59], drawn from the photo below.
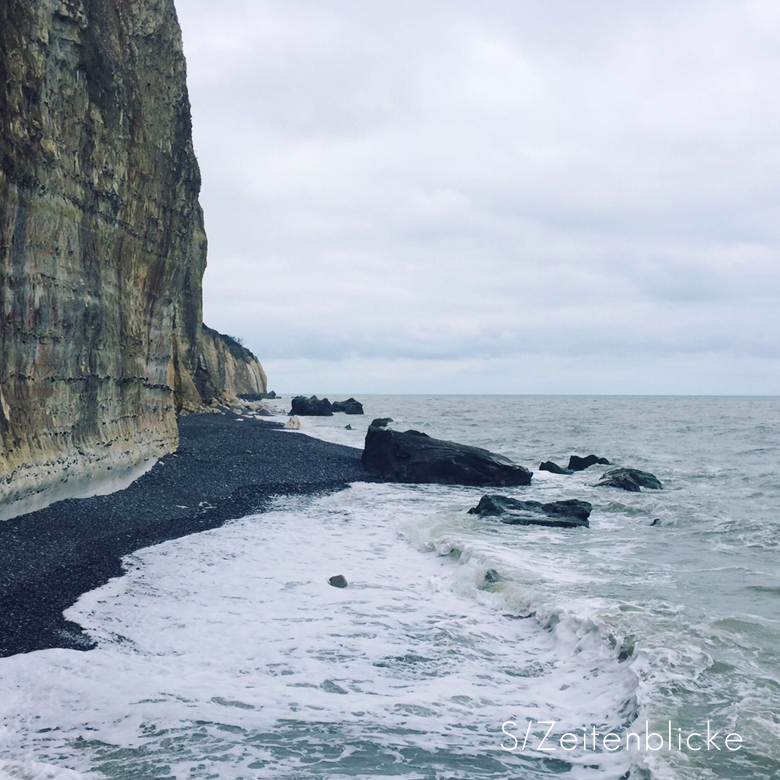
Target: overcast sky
[503,196]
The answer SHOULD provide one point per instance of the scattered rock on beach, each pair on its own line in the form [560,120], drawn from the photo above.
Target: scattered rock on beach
[576,463]
[630,479]
[294,423]
[350,406]
[553,468]
[411,456]
[311,407]
[338,581]
[571,513]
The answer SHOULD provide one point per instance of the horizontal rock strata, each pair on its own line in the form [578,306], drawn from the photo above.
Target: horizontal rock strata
[102,246]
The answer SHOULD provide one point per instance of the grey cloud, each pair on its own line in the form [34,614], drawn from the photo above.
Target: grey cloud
[530,185]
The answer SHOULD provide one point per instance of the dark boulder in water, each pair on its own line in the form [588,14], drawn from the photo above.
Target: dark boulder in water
[381,422]
[576,463]
[571,513]
[630,479]
[411,456]
[553,468]
[621,481]
[256,396]
[311,407]
[338,581]
[350,406]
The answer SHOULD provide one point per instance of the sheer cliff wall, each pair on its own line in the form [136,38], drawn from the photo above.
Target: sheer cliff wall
[102,245]
[229,367]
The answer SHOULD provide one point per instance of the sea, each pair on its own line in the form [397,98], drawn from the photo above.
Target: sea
[645,647]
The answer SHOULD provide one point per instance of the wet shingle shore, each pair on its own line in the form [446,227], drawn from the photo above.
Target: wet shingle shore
[223,470]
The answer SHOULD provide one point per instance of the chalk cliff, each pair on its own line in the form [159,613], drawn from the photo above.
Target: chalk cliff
[102,244]
[227,368]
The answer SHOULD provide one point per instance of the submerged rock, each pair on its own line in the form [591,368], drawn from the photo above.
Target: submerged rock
[630,479]
[311,407]
[350,406]
[576,463]
[411,456]
[571,513]
[553,468]
[338,581]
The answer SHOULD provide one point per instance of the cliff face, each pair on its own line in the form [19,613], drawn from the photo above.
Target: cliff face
[102,246]
[226,368]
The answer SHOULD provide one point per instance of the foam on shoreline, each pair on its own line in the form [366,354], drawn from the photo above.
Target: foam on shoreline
[221,471]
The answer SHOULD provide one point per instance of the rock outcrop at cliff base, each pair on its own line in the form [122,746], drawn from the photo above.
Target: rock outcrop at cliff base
[102,244]
[226,369]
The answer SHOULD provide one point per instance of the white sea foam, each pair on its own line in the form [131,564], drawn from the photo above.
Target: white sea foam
[228,655]
[30,770]
[233,640]
[333,429]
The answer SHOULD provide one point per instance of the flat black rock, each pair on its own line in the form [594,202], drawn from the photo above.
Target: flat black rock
[311,407]
[571,513]
[411,456]
[576,463]
[553,468]
[350,406]
[630,479]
